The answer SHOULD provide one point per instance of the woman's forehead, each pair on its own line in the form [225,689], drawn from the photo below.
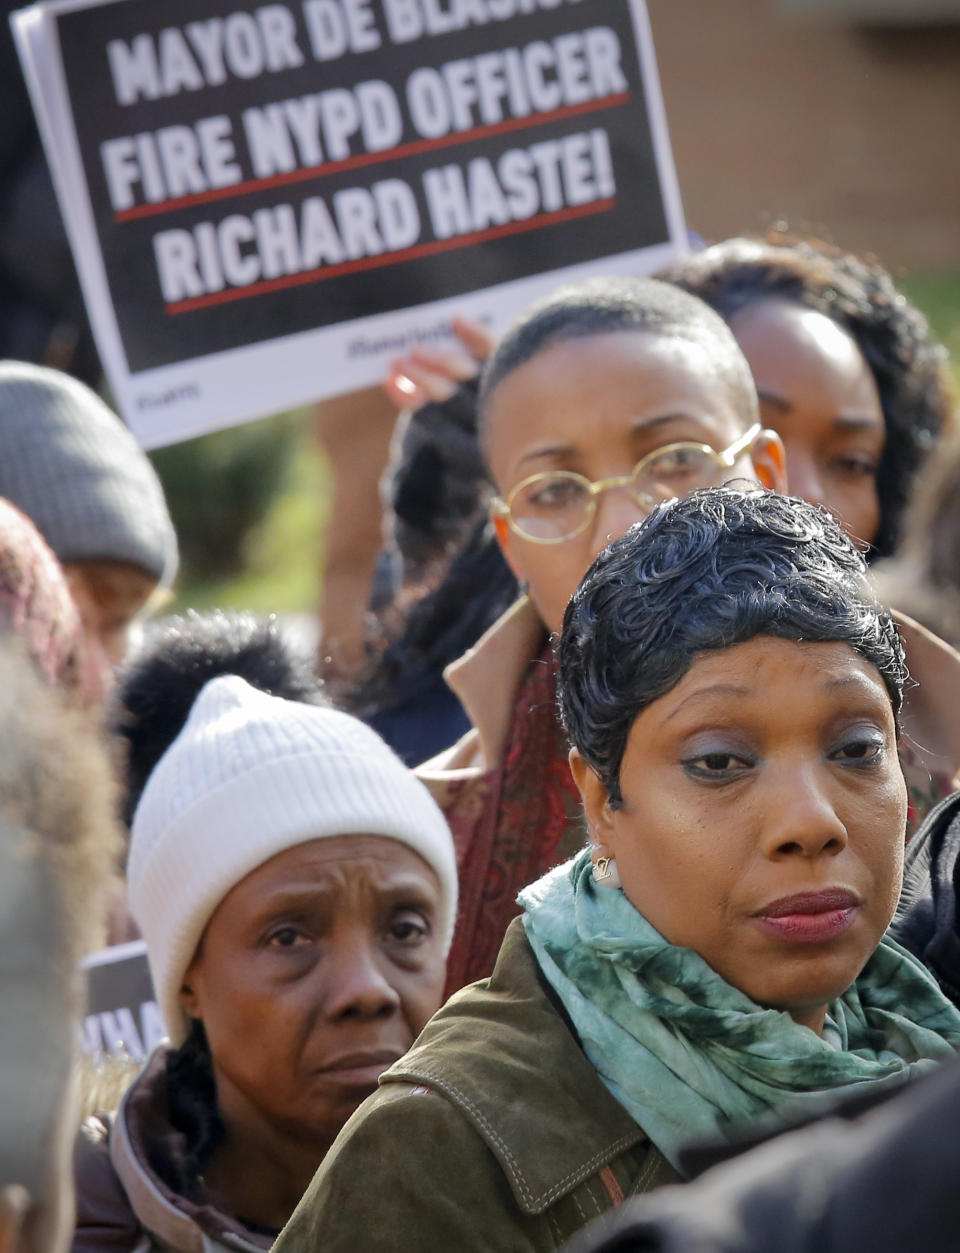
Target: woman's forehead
[745,674]
[332,862]
[801,354]
[577,395]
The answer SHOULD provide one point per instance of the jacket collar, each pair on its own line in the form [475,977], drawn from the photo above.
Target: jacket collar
[503,1053]
[485,680]
[179,1223]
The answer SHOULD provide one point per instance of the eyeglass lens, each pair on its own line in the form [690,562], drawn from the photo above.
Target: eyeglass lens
[559,506]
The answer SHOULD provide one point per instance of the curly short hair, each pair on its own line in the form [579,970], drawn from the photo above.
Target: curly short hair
[909,367]
[701,574]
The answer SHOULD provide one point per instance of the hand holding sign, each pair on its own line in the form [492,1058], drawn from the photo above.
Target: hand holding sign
[432,374]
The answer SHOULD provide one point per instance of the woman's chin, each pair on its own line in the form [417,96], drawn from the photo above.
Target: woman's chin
[811,980]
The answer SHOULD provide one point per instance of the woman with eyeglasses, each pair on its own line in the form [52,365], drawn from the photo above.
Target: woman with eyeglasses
[716,958]
[605,398]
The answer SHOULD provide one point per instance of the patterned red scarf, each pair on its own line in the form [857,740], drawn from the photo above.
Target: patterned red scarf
[512,825]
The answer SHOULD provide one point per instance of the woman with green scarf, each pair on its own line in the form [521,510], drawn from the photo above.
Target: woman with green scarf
[716,958]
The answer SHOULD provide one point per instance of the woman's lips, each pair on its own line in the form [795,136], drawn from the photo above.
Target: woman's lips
[359,1070]
[809,917]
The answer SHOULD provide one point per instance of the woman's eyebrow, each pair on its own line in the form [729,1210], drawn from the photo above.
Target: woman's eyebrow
[664,419]
[857,422]
[845,421]
[552,450]
[777,402]
[295,894]
[853,682]
[713,691]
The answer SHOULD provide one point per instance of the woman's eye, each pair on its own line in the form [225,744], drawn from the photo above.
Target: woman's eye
[409,928]
[859,752]
[558,494]
[718,765]
[287,937]
[856,467]
[685,461]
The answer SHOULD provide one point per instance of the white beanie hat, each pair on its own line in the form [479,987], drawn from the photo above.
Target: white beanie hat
[249,776]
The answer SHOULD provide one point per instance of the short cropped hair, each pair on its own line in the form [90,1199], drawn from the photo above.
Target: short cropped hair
[603,306]
[701,574]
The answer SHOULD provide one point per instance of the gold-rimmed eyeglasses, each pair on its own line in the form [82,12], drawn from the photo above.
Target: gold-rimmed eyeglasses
[558,505]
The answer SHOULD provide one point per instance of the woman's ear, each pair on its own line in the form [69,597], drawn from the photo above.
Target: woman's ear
[596,800]
[190,1001]
[770,461]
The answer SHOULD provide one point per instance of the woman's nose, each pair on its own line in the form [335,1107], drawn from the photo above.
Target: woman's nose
[357,984]
[617,510]
[803,476]
[801,819]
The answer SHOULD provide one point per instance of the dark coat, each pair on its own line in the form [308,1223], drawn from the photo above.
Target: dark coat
[494,1134]
[927,921]
[126,1202]
[885,1182]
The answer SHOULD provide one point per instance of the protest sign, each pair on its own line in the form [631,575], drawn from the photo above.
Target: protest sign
[122,1018]
[268,201]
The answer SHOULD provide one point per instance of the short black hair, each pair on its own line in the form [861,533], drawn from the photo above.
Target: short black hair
[700,574]
[602,306]
[861,297]
[158,686]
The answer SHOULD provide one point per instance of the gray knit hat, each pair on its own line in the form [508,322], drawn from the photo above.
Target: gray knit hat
[74,469]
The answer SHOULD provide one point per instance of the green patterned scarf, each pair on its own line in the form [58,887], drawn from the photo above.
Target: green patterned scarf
[689,1056]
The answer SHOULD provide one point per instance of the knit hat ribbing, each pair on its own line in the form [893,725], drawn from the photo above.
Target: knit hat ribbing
[249,776]
[69,463]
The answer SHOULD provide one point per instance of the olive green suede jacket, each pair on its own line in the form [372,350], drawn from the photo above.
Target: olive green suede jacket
[494,1133]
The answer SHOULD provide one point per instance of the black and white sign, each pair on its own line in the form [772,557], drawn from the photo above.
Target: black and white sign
[122,1018]
[269,201]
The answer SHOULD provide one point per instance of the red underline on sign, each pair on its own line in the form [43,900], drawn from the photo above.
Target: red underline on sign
[391,258]
[371,158]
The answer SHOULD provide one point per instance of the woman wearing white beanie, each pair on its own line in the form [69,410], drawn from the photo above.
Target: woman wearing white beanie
[296,887]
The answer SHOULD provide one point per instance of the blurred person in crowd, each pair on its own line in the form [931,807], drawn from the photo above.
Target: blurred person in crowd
[923,575]
[179,655]
[76,471]
[35,603]
[602,399]
[717,955]
[928,915]
[296,888]
[850,377]
[58,838]
[846,371]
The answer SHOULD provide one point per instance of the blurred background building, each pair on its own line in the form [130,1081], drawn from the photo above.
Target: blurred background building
[836,114]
